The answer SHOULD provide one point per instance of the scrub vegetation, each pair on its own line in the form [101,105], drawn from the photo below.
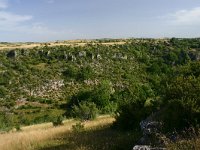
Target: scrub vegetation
[130,80]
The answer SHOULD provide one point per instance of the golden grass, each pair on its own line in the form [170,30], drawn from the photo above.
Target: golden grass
[28,46]
[31,136]
[96,136]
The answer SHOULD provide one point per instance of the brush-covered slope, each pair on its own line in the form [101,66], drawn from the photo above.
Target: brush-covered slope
[37,84]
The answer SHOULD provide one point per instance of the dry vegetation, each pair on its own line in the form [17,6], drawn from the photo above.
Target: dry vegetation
[10,46]
[193,144]
[97,135]
[33,136]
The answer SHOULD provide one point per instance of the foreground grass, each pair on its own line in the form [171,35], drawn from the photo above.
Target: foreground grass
[97,136]
[190,140]
[102,138]
[193,144]
[31,136]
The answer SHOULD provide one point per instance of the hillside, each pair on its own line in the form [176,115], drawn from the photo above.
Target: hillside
[43,79]
[133,79]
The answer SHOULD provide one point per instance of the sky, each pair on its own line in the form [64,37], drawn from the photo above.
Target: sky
[51,20]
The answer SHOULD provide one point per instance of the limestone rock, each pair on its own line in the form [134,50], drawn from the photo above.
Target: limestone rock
[141,147]
[82,54]
[99,56]
[120,56]
[65,56]
[72,57]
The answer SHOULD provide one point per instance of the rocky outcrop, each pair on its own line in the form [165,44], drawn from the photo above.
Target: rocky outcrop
[91,82]
[194,55]
[146,147]
[152,138]
[120,56]
[65,56]
[141,147]
[44,90]
[99,56]
[71,57]
[82,54]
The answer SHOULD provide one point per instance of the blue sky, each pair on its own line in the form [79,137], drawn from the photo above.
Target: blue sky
[50,20]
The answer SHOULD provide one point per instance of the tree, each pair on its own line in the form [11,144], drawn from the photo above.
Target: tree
[182,103]
[101,94]
[134,106]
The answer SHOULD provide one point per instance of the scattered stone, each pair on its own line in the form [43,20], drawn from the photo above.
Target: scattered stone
[91,82]
[146,147]
[48,53]
[151,135]
[82,54]
[120,56]
[99,56]
[194,56]
[141,147]
[65,56]
[125,57]
[72,57]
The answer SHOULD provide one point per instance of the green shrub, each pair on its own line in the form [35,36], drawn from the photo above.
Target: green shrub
[111,108]
[135,105]
[101,94]
[6,121]
[85,111]
[182,103]
[71,72]
[85,73]
[130,115]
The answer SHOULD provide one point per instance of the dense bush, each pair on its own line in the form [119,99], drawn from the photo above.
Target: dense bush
[85,73]
[131,114]
[71,72]
[6,121]
[100,96]
[182,102]
[111,108]
[85,111]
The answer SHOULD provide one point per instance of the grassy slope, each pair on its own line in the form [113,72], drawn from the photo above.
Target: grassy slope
[97,135]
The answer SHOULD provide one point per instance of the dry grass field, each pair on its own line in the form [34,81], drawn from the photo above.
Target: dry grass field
[33,137]
[11,46]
